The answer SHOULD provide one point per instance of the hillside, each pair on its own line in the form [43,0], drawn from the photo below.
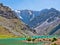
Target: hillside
[11,25]
[47,28]
[7,12]
[28,22]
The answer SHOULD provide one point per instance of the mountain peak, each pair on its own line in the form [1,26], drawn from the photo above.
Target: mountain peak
[7,12]
[52,9]
[38,16]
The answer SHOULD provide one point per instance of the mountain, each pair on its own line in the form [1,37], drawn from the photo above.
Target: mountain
[11,25]
[7,12]
[35,18]
[55,29]
[27,16]
[46,28]
[50,19]
[28,22]
[42,21]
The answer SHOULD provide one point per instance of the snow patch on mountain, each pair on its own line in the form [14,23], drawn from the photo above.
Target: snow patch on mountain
[18,14]
[18,11]
[30,12]
[32,17]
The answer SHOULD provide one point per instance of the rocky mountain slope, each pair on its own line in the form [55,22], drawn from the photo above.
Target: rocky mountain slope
[28,22]
[10,24]
[6,12]
[42,21]
[35,18]
[46,28]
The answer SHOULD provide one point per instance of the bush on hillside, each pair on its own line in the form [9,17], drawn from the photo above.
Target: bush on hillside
[54,39]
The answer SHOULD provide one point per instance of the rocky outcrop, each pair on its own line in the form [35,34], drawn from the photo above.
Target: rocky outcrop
[6,12]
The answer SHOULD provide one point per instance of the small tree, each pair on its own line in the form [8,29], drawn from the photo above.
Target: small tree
[29,39]
[54,39]
[33,39]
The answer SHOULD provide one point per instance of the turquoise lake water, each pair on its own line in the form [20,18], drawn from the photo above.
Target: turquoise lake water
[18,41]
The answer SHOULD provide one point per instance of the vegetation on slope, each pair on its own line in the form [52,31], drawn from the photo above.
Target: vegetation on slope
[9,21]
[4,33]
[15,26]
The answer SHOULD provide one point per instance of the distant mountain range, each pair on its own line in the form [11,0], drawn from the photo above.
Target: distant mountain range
[40,20]
[35,18]
[28,22]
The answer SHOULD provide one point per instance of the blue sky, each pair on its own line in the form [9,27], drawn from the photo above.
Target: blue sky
[31,4]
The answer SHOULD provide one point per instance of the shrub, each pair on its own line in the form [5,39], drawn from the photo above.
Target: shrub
[33,39]
[49,39]
[54,39]
[43,39]
[29,39]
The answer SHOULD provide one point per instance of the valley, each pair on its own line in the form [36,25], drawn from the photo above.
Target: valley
[28,27]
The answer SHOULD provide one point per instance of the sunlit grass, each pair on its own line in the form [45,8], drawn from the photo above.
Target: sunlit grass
[8,36]
[4,33]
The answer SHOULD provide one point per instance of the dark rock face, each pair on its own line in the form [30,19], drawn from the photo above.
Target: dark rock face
[7,12]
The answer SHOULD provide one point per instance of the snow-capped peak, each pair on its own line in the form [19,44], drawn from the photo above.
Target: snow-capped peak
[18,11]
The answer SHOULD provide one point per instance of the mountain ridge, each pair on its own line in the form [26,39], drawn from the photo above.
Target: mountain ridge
[28,22]
[9,21]
[40,17]
[37,15]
